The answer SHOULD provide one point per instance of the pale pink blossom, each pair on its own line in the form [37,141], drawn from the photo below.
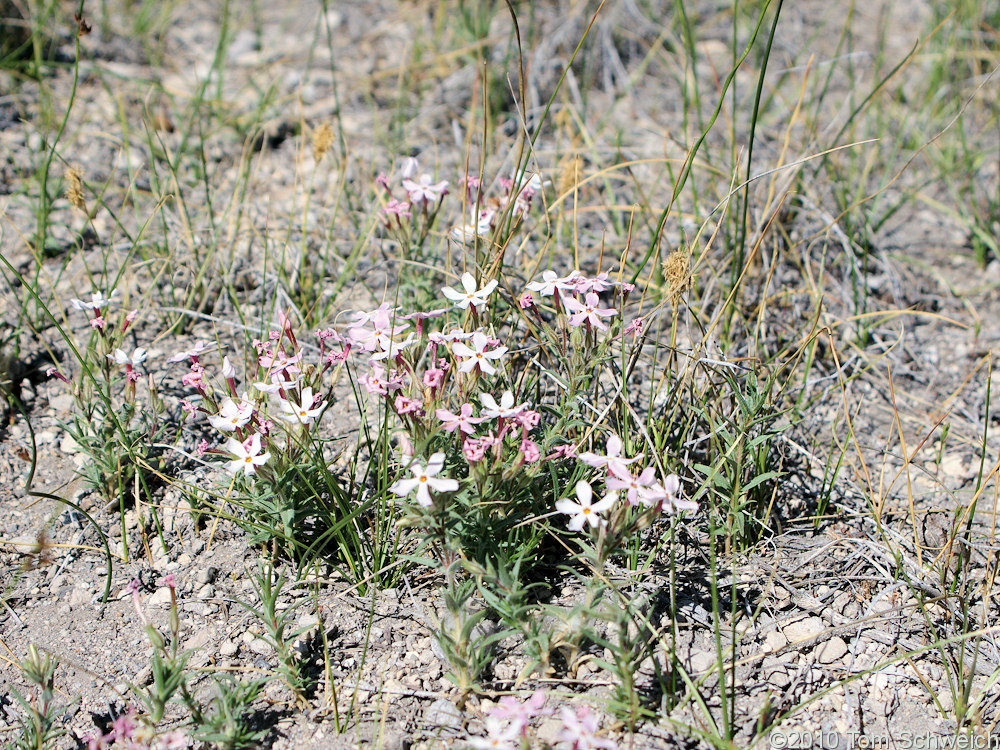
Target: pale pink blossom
[97,301]
[580,730]
[619,478]
[463,421]
[666,496]
[588,312]
[613,456]
[551,283]
[425,190]
[304,412]
[500,735]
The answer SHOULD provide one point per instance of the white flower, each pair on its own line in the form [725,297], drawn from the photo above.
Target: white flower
[504,410]
[613,460]
[302,412]
[500,735]
[228,371]
[231,416]
[471,296]
[476,355]
[482,227]
[585,512]
[247,455]
[96,302]
[423,480]
[550,283]
[121,358]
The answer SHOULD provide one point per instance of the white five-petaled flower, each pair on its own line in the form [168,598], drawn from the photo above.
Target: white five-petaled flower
[550,283]
[588,311]
[425,190]
[666,496]
[96,302]
[232,415]
[471,296]
[423,480]
[476,355]
[504,410]
[247,455]
[302,412]
[580,730]
[500,735]
[619,478]
[585,511]
[120,357]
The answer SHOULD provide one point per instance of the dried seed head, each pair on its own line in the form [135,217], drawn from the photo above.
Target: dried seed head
[322,140]
[570,174]
[74,188]
[677,270]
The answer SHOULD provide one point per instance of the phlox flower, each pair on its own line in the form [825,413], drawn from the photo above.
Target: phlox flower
[280,362]
[500,735]
[551,283]
[666,496]
[463,421]
[121,358]
[455,334]
[405,405]
[613,457]
[97,301]
[471,296]
[433,377]
[529,449]
[619,478]
[504,410]
[423,480]
[193,353]
[409,167]
[392,349]
[399,209]
[377,383]
[585,512]
[98,323]
[425,190]
[247,455]
[232,416]
[579,730]
[303,412]
[380,335]
[589,311]
[481,227]
[517,712]
[474,450]
[598,283]
[476,356]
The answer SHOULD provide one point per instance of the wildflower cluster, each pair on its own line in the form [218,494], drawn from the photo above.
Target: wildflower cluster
[486,212]
[412,204]
[507,725]
[272,415]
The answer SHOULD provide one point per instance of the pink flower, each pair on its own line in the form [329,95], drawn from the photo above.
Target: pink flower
[666,496]
[529,449]
[399,209]
[579,730]
[405,405]
[528,419]
[518,713]
[620,478]
[202,448]
[376,382]
[463,421]
[471,296]
[500,735]
[425,190]
[585,512]
[474,450]
[193,353]
[476,357]
[98,323]
[433,377]
[455,334]
[588,312]
[525,301]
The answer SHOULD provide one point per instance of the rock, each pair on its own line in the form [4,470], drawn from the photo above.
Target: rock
[206,575]
[443,717]
[803,630]
[260,646]
[947,700]
[79,597]
[228,648]
[206,592]
[549,731]
[68,445]
[161,598]
[831,651]
[701,661]
[774,641]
